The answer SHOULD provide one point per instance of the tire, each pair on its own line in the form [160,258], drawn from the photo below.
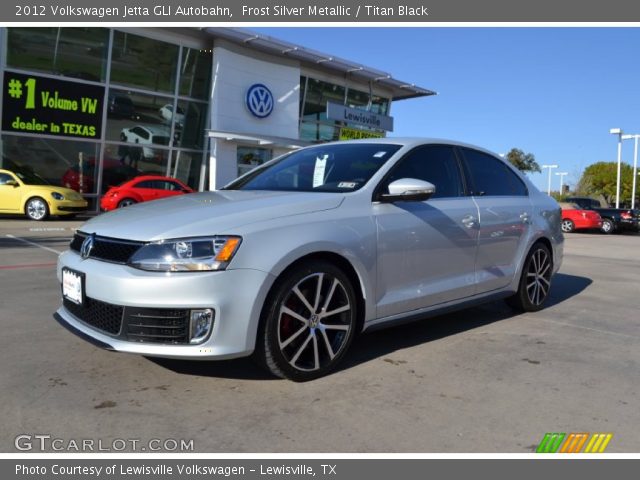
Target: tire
[125,202]
[567,225]
[531,295]
[308,322]
[36,209]
[607,226]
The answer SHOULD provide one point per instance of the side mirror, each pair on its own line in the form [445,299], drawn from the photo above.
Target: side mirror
[409,190]
[12,183]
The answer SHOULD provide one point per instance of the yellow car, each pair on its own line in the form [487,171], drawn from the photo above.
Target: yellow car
[25,193]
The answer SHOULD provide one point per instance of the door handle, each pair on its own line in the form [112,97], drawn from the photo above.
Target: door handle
[469,221]
[525,217]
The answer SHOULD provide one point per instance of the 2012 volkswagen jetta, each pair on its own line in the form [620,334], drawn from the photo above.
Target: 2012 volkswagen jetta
[292,260]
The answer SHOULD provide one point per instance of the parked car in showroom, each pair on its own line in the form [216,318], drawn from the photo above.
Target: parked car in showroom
[613,219]
[23,192]
[293,259]
[146,135]
[576,218]
[82,179]
[166,112]
[142,189]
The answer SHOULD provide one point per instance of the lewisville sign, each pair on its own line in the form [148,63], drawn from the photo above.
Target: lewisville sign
[42,105]
[342,113]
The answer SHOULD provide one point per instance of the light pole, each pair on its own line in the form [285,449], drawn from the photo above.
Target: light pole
[549,181]
[561,174]
[618,131]
[635,167]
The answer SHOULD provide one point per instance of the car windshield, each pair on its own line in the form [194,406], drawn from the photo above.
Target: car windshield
[30,178]
[324,168]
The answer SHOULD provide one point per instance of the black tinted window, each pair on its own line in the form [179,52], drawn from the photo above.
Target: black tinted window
[436,164]
[490,176]
[146,184]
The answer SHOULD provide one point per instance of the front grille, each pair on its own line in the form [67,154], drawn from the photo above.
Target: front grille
[157,325]
[107,249]
[99,315]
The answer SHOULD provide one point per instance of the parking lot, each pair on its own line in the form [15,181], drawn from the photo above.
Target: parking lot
[480,380]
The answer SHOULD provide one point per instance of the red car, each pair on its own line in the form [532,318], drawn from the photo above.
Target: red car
[576,218]
[142,189]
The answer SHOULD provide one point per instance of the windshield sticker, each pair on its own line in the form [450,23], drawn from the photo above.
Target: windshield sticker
[347,185]
[379,154]
[318,171]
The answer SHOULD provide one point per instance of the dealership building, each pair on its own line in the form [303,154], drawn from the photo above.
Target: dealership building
[92,107]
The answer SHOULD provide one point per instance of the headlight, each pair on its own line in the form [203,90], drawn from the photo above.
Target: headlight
[57,196]
[187,255]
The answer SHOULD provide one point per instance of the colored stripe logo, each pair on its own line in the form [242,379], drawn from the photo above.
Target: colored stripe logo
[574,443]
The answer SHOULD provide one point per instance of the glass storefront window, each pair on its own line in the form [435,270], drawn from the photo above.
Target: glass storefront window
[141,119]
[143,62]
[317,94]
[137,160]
[186,167]
[65,163]
[195,73]
[250,157]
[72,52]
[190,124]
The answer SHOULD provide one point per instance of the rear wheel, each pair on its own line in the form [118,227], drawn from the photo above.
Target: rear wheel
[607,226]
[125,202]
[37,209]
[535,281]
[568,226]
[308,323]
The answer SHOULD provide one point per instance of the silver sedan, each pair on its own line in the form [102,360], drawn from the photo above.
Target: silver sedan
[292,260]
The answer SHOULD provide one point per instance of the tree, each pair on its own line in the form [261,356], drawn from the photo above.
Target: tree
[600,179]
[525,162]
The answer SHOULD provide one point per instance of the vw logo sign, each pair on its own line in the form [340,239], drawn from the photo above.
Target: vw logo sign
[259,100]
[87,246]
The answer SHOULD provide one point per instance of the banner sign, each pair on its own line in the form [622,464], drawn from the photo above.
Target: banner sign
[342,113]
[47,106]
[355,134]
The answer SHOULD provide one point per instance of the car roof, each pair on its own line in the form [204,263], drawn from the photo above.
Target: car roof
[152,177]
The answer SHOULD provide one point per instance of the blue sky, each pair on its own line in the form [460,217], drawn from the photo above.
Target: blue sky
[554,92]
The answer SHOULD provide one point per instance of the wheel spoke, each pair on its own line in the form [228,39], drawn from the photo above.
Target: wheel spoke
[545,269]
[542,261]
[302,298]
[335,327]
[293,314]
[300,350]
[543,290]
[327,343]
[336,311]
[327,301]
[292,337]
[316,354]
[316,303]
[545,280]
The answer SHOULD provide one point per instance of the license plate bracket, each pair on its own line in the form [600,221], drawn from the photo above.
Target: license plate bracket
[73,283]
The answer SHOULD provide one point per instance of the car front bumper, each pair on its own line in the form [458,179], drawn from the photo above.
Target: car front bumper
[67,207]
[235,296]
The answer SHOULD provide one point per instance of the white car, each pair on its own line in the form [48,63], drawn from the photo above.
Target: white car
[292,260]
[146,135]
[166,112]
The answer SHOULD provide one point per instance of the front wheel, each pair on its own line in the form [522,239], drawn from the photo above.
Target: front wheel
[607,226]
[568,226]
[125,202]
[535,280]
[309,322]
[37,209]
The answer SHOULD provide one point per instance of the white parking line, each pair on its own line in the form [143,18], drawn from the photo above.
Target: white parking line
[34,244]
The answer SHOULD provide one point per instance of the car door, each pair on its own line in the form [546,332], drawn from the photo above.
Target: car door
[170,189]
[147,190]
[9,194]
[505,218]
[426,249]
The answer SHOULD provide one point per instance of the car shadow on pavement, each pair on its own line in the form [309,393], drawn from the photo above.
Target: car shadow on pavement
[381,343]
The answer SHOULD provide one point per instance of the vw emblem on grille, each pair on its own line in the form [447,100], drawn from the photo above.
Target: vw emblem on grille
[259,100]
[87,246]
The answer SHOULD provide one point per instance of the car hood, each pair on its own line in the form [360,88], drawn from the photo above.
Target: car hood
[208,213]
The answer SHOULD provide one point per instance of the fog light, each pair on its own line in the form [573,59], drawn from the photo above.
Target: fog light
[200,325]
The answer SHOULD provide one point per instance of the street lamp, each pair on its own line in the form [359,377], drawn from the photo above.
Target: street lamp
[561,174]
[549,182]
[618,131]
[635,167]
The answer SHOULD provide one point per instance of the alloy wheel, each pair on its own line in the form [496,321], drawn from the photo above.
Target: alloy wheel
[538,277]
[36,209]
[567,226]
[314,322]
